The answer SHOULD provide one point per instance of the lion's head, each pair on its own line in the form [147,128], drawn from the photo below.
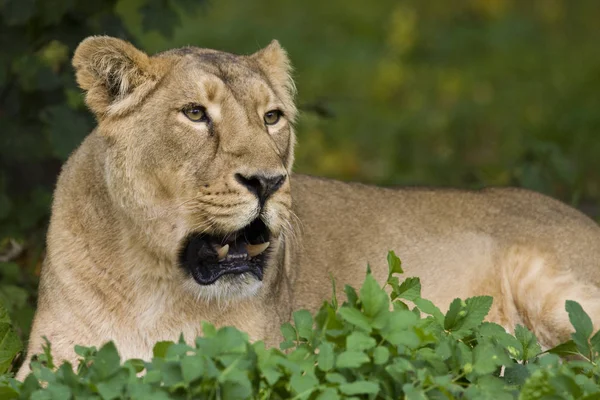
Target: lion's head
[199,149]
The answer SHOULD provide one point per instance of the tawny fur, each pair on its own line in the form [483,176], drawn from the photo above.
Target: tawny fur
[147,177]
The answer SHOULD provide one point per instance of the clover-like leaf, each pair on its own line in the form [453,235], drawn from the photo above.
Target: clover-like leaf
[304,323]
[360,341]
[351,359]
[582,324]
[374,299]
[326,356]
[359,387]
[394,265]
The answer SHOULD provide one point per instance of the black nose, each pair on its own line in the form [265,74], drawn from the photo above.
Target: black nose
[262,186]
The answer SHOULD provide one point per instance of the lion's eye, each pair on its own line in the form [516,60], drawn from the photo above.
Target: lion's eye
[272,117]
[196,113]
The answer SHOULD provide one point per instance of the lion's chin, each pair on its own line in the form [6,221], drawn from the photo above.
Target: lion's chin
[229,288]
[233,258]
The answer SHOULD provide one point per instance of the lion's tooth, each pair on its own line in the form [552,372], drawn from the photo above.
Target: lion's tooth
[255,249]
[222,252]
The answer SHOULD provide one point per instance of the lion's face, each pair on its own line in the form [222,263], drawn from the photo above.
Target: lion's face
[201,141]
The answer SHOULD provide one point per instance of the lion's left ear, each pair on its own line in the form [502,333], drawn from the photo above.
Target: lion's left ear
[274,60]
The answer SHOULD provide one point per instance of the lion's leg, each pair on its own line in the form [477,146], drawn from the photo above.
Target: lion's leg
[61,340]
[532,291]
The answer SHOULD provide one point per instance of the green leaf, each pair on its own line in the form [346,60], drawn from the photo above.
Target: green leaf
[59,391]
[85,352]
[477,309]
[359,387]
[304,323]
[485,360]
[289,332]
[208,330]
[351,296]
[10,346]
[4,317]
[381,355]
[428,307]
[271,375]
[303,384]
[235,391]
[46,356]
[579,318]
[334,377]
[328,394]
[172,375]
[351,359]
[160,349]
[107,360]
[595,342]
[108,390]
[360,341]
[465,315]
[516,374]
[355,317]
[568,348]
[399,328]
[453,317]
[410,289]
[177,350]
[8,393]
[394,265]
[413,393]
[192,368]
[373,297]
[137,364]
[530,347]
[325,359]
[230,339]
[334,301]
[582,324]
[538,386]
[290,336]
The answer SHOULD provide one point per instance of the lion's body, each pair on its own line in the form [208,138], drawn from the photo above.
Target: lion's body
[122,209]
[529,251]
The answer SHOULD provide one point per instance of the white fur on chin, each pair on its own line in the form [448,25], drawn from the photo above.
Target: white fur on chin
[227,289]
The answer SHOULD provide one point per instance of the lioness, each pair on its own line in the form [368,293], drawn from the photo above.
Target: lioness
[181,206]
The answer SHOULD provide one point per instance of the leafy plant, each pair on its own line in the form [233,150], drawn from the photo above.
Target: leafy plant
[375,345]
[10,344]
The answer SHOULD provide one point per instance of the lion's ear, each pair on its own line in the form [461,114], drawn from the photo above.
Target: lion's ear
[274,60]
[114,74]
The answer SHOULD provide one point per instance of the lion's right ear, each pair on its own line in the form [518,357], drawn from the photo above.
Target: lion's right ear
[115,75]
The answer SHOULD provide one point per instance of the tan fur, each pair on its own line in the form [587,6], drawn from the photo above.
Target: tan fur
[147,177]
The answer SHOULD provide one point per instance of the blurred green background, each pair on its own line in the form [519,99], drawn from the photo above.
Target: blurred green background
[467,93]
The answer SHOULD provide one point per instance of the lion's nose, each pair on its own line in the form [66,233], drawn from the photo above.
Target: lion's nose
[261,185]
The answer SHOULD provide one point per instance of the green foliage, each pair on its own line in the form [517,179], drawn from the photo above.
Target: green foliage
[371,347]
[10,344]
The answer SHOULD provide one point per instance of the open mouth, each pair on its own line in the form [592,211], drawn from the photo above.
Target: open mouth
[209,257]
